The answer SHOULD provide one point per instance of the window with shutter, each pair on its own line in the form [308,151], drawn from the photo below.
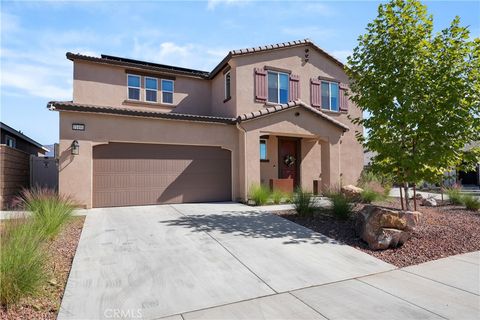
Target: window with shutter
[329,95]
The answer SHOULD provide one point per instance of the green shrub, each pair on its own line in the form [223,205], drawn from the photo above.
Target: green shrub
[22,261]
[471,202]
[341,207]
[454,195]
[50,210]
[277,196]
[369,196]
[259,194]
[303,202]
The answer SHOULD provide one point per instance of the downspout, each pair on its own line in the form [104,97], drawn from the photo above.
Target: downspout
[242,129]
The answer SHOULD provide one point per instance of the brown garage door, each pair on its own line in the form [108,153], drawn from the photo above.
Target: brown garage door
[127,174]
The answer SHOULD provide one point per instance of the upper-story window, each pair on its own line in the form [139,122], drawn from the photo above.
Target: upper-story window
[11,142]
[151,87]
[167,91]
[227,85]
[133,87]
[278,87]
[330,95]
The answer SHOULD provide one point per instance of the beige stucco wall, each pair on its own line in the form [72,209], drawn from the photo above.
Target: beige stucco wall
[291,59]
[318,137]
[320,147]
[106,85]
[328,154]
[220,107]
[76,171]
[351,152]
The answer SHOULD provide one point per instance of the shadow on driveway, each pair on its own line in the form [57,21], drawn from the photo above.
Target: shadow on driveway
[251,224]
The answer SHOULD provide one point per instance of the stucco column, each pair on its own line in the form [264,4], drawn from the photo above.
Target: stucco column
[252,159]
[330,164]
[75,172]
[310,166]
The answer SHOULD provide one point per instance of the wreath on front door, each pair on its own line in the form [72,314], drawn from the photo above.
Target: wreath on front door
[289,160]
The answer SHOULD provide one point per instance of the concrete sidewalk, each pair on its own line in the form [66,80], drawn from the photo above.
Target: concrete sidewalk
[427,291]
[395,192]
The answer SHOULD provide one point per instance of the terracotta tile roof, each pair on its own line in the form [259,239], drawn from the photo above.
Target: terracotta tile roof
[276,46]
[290,105]
[71,106]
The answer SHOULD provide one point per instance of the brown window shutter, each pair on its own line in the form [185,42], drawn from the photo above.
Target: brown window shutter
[260,85]
[343,97]
[315,93]
[294,87]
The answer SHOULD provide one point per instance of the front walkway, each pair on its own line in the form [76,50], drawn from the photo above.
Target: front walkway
[230,261]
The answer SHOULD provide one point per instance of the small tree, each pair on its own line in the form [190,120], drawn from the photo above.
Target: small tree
[420,92]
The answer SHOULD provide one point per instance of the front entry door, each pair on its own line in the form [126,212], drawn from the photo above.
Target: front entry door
[288,159]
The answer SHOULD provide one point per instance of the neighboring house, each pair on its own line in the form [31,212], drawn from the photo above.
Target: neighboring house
[470,178]
[16,149]
[140,133]
[17,140]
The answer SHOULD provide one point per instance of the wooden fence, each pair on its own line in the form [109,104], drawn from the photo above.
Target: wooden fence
[14,174]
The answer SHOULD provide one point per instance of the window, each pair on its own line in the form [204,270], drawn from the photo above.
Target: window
[330,96]
[11,142]
[167,91]
[277,87]
[151,87]
[133,87]
[263,149]
[227,85]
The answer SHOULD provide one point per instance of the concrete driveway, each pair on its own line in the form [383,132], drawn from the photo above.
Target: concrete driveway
[229,261]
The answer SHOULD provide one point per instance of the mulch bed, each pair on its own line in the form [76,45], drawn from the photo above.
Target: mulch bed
[47,303]
[444,231]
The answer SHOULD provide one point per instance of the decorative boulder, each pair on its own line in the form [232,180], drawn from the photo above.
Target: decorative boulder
[383,228]
[419,196]
[429,202]
[351,192]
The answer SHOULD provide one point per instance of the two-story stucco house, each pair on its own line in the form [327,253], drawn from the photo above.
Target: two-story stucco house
[139,133]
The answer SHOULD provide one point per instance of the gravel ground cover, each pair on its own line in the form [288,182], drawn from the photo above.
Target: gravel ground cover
[46,305]
[444,231]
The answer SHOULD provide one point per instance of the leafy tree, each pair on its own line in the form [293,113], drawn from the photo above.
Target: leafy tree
[420,90]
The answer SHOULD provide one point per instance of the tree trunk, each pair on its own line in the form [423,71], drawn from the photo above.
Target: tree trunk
[401,197]
[441,189]
[414,197]
[407,202]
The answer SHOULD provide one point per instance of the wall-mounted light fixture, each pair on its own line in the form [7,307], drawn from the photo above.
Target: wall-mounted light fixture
[75,148]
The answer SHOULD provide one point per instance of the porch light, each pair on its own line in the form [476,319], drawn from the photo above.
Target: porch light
[75,148]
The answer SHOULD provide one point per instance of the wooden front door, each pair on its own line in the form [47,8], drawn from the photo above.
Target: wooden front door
[288,159]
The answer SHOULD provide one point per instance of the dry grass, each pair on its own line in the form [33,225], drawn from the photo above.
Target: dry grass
[60,251]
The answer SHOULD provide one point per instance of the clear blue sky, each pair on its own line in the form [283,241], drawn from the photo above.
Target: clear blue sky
[36,35]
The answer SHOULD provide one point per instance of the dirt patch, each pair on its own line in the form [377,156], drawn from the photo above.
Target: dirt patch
[444,231]
[46,305]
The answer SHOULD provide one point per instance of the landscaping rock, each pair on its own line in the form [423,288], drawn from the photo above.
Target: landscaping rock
[429,202]
[419,196]
[351,192]
[383,228]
